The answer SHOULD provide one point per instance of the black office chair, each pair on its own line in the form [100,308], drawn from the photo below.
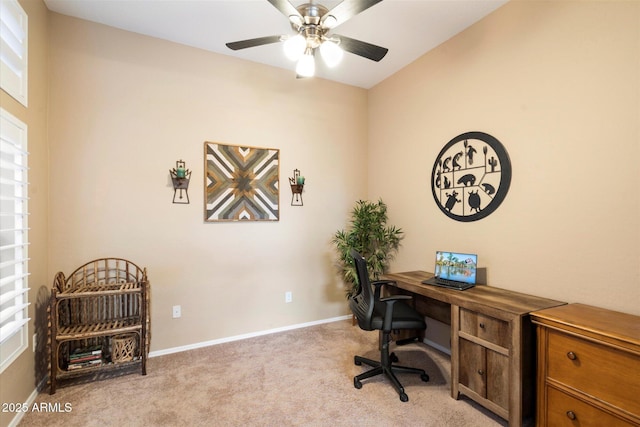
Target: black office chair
[384,314]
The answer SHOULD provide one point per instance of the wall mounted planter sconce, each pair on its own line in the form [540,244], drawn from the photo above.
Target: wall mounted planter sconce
[180,176]
[297,185]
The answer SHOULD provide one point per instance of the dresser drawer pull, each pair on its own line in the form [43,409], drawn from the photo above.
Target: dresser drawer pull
[571,415]
[571,355]
[481,325]
[480,371]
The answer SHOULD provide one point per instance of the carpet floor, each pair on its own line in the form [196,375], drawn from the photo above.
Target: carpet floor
[302,377]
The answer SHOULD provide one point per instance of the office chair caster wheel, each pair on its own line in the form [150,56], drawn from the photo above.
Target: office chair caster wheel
[357,361]
[424,377]
[404,397]
[357,384]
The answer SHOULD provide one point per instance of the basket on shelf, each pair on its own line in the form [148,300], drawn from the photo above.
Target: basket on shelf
[123,348]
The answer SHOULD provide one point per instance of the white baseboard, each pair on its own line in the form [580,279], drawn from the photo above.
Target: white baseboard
[244,336]
[32,398]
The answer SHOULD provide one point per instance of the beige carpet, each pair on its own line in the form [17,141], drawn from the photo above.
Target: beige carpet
[302,377]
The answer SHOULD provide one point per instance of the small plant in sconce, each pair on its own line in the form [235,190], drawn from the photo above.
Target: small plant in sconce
[297,185]
[180,177]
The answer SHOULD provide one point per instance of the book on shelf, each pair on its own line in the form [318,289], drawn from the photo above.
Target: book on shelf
[87,351]
[80,365]
[85,358]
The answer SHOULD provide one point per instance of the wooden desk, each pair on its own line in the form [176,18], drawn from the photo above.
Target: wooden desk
[492,341]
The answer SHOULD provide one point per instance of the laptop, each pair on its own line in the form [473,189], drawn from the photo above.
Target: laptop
[454,270]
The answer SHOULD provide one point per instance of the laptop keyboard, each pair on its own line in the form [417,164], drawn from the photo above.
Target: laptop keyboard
[448,283]
[452,284]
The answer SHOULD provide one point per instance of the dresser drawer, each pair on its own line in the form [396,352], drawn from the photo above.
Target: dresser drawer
[600,371]
[564,410]
[490,329]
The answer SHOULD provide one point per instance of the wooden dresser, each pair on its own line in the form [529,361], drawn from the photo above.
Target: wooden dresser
[588,367]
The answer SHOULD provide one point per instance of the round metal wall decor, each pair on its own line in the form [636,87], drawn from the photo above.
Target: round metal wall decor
[471,176]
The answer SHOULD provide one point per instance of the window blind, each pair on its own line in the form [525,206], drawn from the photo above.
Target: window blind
[13,50]
[14,238]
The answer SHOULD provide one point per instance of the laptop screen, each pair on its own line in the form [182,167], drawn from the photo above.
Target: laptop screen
[456,266]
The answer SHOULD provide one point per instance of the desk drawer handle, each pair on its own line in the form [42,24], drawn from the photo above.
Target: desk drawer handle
[480,371]
[571,415]
[571,355]
[481,325]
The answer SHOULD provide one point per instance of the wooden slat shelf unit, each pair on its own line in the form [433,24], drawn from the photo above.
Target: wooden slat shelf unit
[103,299]
[99,329]
[100,290]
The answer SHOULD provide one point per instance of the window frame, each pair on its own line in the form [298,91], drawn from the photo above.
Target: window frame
[14,239]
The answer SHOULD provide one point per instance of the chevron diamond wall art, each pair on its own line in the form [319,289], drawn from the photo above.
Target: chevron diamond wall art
[241,183]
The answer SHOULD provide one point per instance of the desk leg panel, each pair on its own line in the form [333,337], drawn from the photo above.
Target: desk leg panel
[455,351]
[515,374]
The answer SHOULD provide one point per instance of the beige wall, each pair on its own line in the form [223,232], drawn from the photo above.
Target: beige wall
[125,107]
[558,83]
[18,381]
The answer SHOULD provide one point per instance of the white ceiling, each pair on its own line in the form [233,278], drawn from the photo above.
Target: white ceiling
[408,28]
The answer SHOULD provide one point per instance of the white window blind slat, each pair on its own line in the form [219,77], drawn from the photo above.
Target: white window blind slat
[12,279]
[12,151]
[16,199]
[13,263]
[10,312]
[11,246]
[11,328]
[11,295]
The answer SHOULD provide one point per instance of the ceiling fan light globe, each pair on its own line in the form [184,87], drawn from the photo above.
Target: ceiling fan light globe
[294,47]
[306,66]
[329,21]
[296,20]
[331,53]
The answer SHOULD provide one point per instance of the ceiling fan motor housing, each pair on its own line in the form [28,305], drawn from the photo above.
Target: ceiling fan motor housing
[311,26]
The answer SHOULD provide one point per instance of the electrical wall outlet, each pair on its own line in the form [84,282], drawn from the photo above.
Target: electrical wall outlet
[288,297]
[177,311]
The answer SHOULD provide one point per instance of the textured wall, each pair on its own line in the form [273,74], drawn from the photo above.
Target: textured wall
[125,107]
[558,83]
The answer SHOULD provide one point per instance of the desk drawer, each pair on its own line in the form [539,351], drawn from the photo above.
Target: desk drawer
[490,329]
[567,411]
[603,372]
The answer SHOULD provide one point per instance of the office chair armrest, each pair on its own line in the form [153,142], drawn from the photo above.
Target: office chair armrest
[388,314]
[378,285]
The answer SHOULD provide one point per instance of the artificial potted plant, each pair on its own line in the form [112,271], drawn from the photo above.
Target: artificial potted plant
[370,235]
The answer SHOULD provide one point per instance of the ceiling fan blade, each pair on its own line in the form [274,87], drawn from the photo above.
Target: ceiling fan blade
[243,44]
[286,8]
[350,8]
[364,49]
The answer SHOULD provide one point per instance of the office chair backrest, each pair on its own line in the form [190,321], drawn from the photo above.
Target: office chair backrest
[362,302]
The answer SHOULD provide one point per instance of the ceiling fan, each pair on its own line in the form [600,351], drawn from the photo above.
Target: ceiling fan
[312,23]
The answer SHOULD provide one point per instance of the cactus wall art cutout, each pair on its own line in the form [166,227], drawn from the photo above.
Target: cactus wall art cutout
[471,176]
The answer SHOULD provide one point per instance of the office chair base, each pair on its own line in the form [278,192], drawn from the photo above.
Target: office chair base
[389,371]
